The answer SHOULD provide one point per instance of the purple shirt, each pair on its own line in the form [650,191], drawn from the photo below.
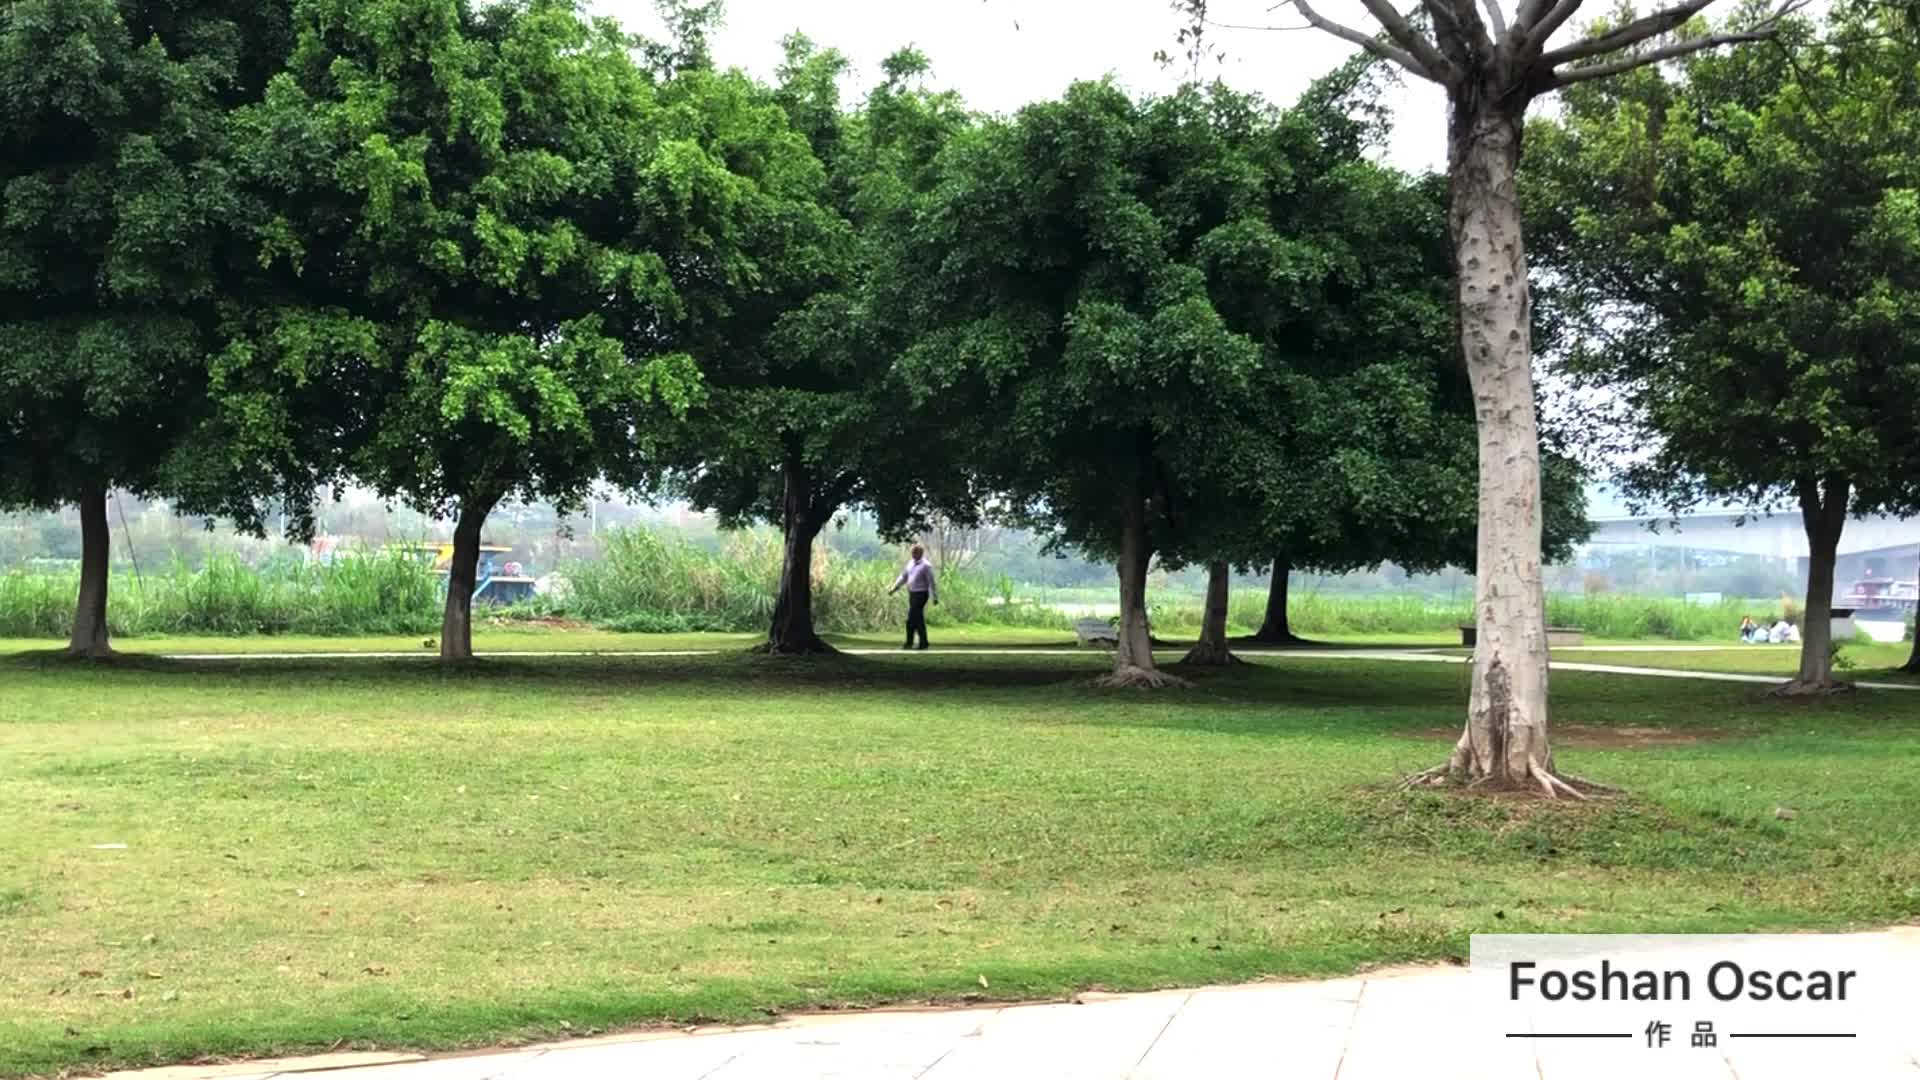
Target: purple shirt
[918,577]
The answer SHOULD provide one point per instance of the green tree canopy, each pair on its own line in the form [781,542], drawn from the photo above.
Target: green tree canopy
[118,268]
[480,218]
[803,418]
[1737,248]
[1195,311]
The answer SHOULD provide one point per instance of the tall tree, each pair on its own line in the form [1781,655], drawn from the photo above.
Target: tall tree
[1492,69]
[1102,273]
[804,418]
[478,215]
[117,265]
[1740,244]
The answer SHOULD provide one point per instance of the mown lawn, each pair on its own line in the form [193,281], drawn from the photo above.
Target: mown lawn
[378,852]
[1870,662]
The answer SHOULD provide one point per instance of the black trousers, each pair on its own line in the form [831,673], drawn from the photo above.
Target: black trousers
[917,617]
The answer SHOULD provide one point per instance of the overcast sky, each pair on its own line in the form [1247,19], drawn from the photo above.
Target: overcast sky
[1002,54]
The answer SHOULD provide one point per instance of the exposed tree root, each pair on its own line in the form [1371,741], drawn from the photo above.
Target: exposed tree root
[809,646]
[1211,656]
[1438,776]
[1274,639]
[1133,677]
[1539,781]
[1800,689]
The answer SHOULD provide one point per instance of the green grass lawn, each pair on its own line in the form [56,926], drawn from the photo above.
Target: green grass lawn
[1873,662]
[382,853]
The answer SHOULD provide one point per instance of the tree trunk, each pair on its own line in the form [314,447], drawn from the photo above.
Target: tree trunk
[1212,650]
[791,633]
[89,641]
[1913,662]
[1133,664]
[1505,741]
[1276,629]
[1824,517]
[456,624]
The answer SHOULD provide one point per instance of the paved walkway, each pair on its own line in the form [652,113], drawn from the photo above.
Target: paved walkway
[1408,655]
[1412,1024]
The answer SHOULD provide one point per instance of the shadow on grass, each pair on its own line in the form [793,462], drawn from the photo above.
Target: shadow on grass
[58,660]
[1071,672]
[1333,698]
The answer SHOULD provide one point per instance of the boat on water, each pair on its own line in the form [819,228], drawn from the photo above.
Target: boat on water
[1880,607]
[1877,598]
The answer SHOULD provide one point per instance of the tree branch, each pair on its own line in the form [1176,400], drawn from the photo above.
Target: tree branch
[1540,30]
[830,497]
[1415,52]
[1529,12]
[1662,22]
[1628,63]
[1469,36]
[1497,17]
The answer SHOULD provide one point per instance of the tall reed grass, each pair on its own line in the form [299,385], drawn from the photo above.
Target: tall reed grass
[376,593]
[648,582]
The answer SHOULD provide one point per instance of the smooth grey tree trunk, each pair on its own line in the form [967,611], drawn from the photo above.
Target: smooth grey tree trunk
[1824,515]
[1505,740]
[456,624]
[1212,649]
[89,640]
[792,633]
[1492,69]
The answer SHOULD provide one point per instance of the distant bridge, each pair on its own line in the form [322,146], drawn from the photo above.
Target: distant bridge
[1751,532]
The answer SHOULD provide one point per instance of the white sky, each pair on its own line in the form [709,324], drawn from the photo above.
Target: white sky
[1002,54]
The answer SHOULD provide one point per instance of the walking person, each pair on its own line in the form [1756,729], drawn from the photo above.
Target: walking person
[921,590]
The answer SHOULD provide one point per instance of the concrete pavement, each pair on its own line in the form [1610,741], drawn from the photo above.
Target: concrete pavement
[1426,1023]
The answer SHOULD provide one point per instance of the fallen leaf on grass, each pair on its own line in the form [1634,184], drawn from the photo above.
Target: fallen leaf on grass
[375,969]
[983,981]
[91,974]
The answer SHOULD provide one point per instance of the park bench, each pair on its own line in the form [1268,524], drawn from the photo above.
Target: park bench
[1558,637]
[1097,632]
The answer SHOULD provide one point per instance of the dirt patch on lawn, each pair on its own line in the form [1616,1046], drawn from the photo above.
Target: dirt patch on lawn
[538,622]
[1594,737]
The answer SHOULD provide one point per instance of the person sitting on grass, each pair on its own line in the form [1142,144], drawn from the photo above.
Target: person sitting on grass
[1784,633]
[1750,630]
[921,589]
